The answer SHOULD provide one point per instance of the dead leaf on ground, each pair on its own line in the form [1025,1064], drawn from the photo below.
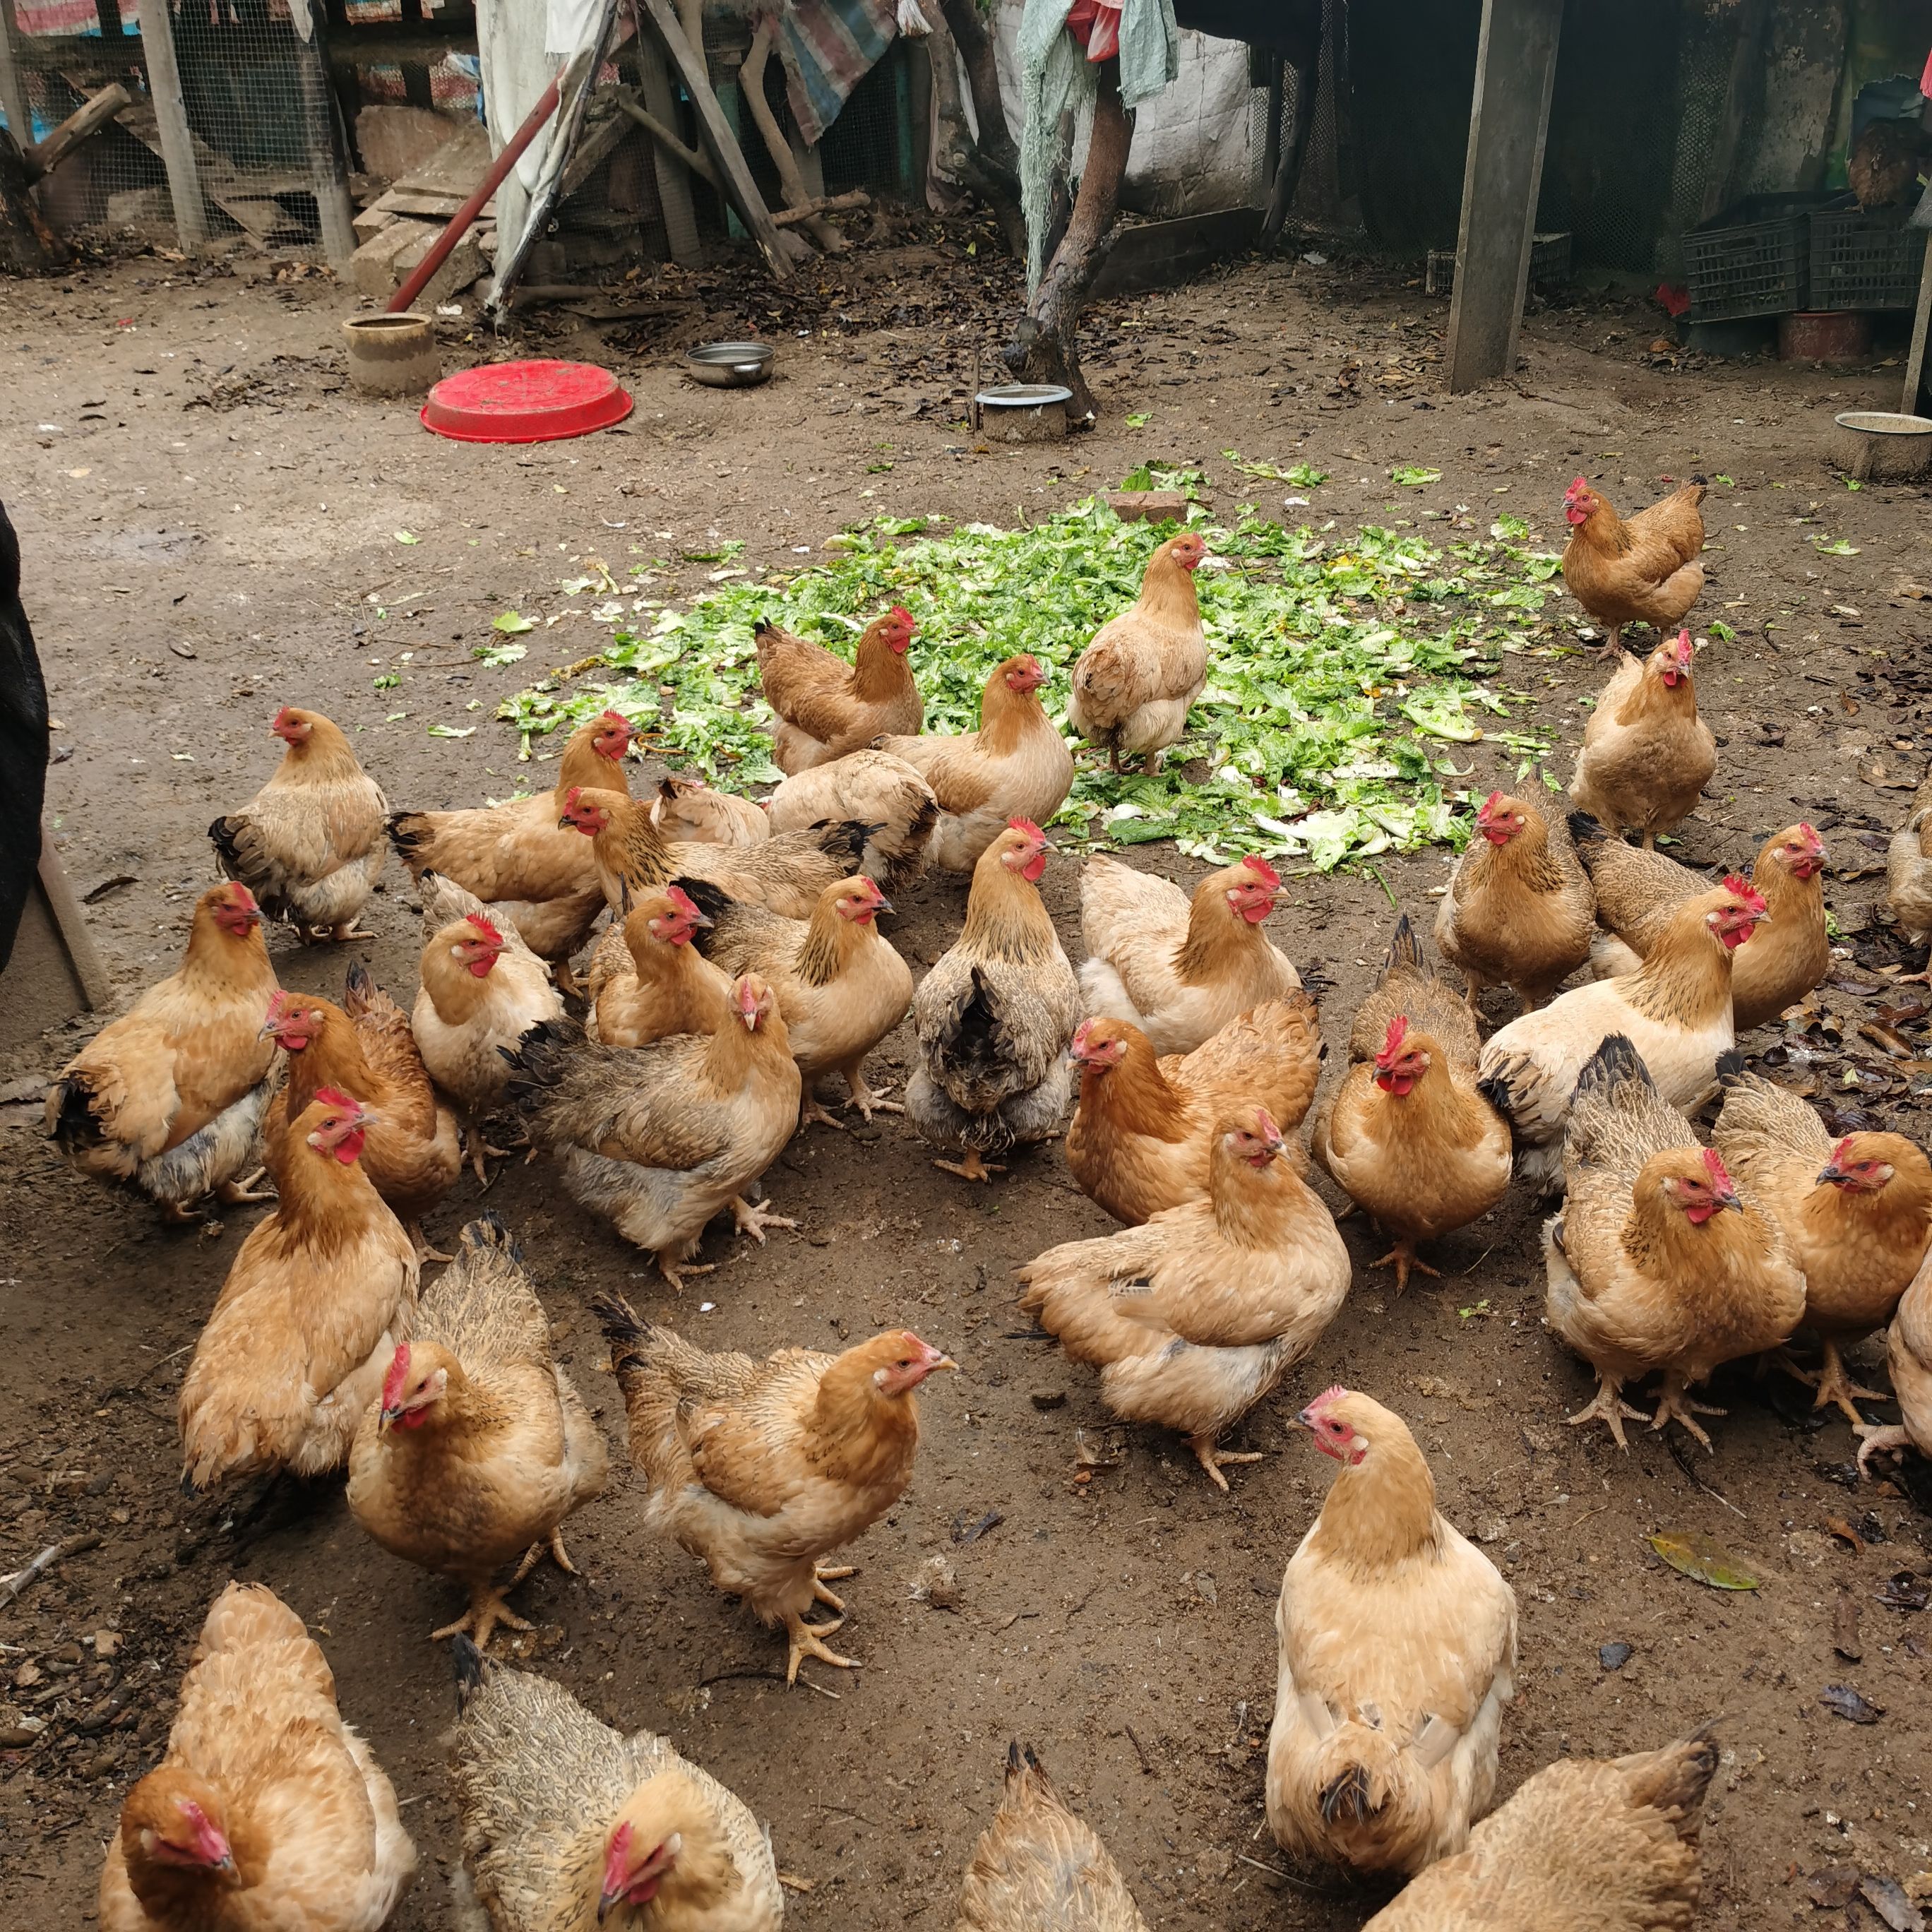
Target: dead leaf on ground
[1842,1701]
[1703,1559]
[1841,1528]
[1886,1896]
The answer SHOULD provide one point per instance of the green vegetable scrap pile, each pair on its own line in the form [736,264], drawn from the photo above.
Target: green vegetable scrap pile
[1341,669]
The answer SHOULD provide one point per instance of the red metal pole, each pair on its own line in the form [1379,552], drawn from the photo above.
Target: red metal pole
[460,222]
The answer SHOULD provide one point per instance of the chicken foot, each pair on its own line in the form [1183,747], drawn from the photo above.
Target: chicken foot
[1610,1408]
[1834,1383]
[1675,1404]
[1211,1459]
[808,1640]
[234,1192]
[822,1574]
[868,1100]
[753,1219]
[420,1242]
[1875,1440]
[339,934]
[552,1547]
[1403,1258]
[487,1610]
[811,1113]
[972,1167]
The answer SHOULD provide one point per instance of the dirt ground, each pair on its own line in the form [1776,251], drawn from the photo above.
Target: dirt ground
[209,521]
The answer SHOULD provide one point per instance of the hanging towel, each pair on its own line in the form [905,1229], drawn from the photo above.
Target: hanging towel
[1056,78]
[828,47]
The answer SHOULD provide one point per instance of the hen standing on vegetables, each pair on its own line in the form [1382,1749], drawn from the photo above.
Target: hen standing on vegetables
[1407,1135]
[1397,1641]
[269,1814]
[1041,1867]
[658,1138]
[171,1095]
[878,790]
[309,844]
[1180,970]
[412,1155]
[527,872]
[1641,570]
[1144,1129]
[480,1445]
[1195,1317]
[1856,1215]
[1638,891]
[787,873]
[993,1016]
[308,1322]
[1015,765]
[761,1468]
[840,984]
[1134,683]
[648,980]
[568,1826]
[1675,1008]
[482,991]
[1646,754]
[1656,1261]
[1519,911]
[824,707]
[1585,1845]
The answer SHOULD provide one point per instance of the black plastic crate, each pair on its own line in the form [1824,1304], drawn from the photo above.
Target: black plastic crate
[1864,261]
[1753,258]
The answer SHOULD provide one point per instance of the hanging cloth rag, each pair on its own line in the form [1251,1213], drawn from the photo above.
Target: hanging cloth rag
[1060,43]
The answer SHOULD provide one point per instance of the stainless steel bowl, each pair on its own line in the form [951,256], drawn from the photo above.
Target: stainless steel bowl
[730,365]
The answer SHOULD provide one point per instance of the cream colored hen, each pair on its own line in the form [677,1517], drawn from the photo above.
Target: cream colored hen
[268,1813]
[568,1826]
[1397,1643]
[1585,1845]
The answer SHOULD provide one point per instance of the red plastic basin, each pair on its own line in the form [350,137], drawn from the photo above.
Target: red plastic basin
[525,402]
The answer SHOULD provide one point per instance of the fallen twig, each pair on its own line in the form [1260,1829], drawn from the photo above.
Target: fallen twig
[50,1558]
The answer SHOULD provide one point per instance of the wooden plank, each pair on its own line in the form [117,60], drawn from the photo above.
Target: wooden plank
[1921,324]
[680,215]
[90,116]
[1509,123]
[174,137]
[428,207]
[13,92]
[71,924]
[742,189]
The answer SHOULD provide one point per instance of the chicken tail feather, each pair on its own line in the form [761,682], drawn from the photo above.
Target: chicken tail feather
[714,902]
[472,1671]
[70,1115]
[1613,1064]
[1675,1780]
[846,839]
[1404,949]
[1346,1795]
[1588,836]
[623,1329]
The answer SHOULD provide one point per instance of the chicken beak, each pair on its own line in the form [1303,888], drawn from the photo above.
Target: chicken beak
[944,1362]
[605,1901]
[1830,1174]
[882,904]
[386,1419]
[701,922]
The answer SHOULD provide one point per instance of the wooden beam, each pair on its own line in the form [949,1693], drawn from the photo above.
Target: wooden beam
[680,213]
[177,141]
[791,182]
[1509,123]
[12,95]
[1921,324]
[71,923]
[662,136]
[43,157]
[739,188]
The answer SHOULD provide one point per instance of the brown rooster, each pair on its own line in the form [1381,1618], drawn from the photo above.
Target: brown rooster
[1407,1134]
[413,1154]
[1641,570]
[1143,1130]
[761,1469]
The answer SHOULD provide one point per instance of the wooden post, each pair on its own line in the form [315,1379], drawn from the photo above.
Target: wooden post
[335,213]
[791,180]
[171,124]
[1509,122]
[92,115]
[13,93]
[740,187]
[680,215]
[1915,363]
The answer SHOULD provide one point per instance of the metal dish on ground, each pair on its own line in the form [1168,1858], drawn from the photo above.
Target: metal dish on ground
[730,365]
[1023,412]
[1878,446]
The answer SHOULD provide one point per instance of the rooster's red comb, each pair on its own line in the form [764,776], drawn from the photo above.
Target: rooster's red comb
[1027,826]
[1714,1166]
[679,898]
[334,1096]
[1838,1152]
[1683,647]
[1264,872]
[398,1374]
[1398,1031]
[900,614]
[1752,899]
[487,928]
[1327,1396]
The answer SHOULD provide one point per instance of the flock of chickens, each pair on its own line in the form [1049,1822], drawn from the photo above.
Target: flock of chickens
[741,961]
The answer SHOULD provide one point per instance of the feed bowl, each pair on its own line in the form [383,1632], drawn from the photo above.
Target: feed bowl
[1878,446]
[730,365]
